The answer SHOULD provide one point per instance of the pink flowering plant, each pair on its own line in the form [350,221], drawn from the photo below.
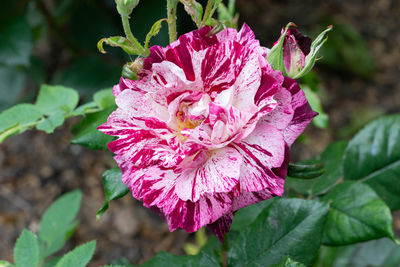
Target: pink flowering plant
[201,132]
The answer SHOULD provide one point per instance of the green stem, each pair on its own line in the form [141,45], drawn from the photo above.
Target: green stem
[224,251]
[129,35]
[207,12]
[171,9]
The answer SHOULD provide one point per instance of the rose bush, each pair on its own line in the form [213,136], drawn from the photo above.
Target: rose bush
[206,129]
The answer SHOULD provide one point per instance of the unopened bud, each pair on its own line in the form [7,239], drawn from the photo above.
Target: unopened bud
[131,69]
[125,7]
[294,53]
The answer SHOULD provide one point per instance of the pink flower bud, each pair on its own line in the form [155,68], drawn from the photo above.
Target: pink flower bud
[296,47]
[294,53]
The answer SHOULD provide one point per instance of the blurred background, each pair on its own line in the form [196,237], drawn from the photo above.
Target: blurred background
[54,42]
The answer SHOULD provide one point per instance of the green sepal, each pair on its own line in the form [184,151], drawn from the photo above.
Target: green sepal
[311,58]
[275,55]
[118,41]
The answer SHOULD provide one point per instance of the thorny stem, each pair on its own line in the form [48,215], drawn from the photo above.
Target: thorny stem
[129,35]
[171,10]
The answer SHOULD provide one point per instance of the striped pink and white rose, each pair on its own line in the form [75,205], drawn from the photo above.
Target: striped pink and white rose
[206,130]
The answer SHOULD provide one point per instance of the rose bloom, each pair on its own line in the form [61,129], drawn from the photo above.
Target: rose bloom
[206,129]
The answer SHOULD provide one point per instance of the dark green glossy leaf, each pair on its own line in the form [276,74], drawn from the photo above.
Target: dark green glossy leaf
[87,133]
[306,171]
[16,43]
[375,253]
[57,222]
[288,227]
[26,251]
[357,214]
[208,256]
[114,188]
[79,257]
[248,215]
[332,158]
[164,258]
[373,157]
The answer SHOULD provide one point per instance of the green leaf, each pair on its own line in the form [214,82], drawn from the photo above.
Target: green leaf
[357,214]
[118,41]
[26,251]
[288,227]
[208,256]
[5,264]
[376,253]
[52,262]
[57,222]
[51,123]
[155,29]
[83,109]
[21,115]
[114,188]
[56,99]
[305,171]
[18,119]
[16,43]
[87,133]
[104,98]
[289,263]
[332,158]
[163,258]
[246,216]
[373,157]
[121,262]
[79,257]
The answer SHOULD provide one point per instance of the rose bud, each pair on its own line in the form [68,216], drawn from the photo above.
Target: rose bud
[294,53]
[125,7]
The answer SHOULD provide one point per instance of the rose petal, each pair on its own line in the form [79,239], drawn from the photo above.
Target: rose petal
[207,176]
